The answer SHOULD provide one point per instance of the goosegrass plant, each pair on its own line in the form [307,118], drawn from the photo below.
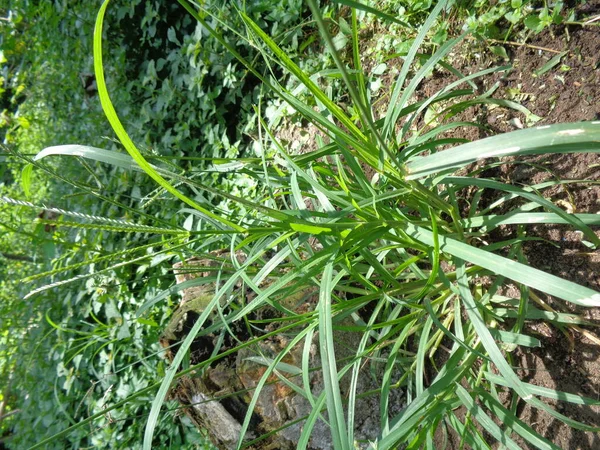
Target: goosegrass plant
[394,252]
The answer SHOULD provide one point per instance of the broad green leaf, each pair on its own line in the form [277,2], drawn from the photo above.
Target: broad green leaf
[26,179]
[550,64]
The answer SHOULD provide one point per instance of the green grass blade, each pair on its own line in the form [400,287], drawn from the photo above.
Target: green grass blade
[365,114]
[521,273]
[362,7]
[386,380]
[493,221]
[165,385]
[263,380]
[306,354]
[424,138]
[393,112]
[94,153]
[531,196]
[310,422]
[404,424]
[426,68]
[335,407]
[515,338]
[563,138]
[360,76]
[115,122]
[471,437]
[448,89]
[508,418]
[538,314]
[548,393]
[287,63]
[421,352]
[487,340]
[488,424]
[356,370]
[85,276]
[530,206]
[550,64]
[98,154]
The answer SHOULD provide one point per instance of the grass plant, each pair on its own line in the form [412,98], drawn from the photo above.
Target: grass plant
[397,252]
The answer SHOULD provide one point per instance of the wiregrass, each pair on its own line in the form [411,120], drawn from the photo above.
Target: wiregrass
[398,243]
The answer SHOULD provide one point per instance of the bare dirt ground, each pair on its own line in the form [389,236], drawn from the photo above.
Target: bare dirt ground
[565,96]
[570,92]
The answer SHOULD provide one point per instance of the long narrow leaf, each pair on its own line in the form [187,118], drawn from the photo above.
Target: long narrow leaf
[521,273]
[115,122]
[493,221]
[335,408]
[563,138]
[371,10]
[531,196]
[548,393]
[488,424]
[301,75]
[394,109]
[522,429]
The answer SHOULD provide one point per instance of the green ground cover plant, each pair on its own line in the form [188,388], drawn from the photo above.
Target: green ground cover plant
[376,219]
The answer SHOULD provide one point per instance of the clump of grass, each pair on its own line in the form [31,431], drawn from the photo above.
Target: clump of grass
[395,253]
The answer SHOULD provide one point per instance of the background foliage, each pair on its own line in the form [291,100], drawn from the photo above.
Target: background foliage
[178,91]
